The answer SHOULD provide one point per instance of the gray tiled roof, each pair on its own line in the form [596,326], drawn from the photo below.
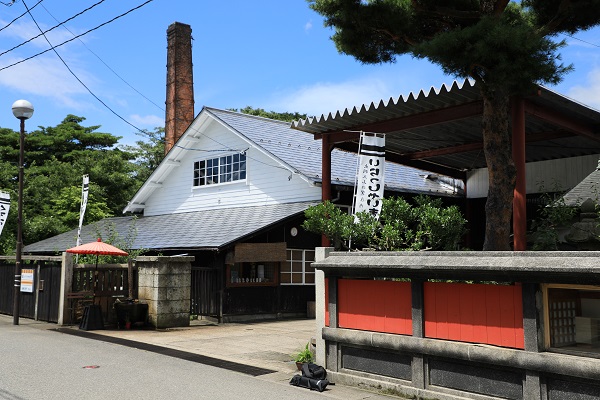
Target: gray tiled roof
[209,229]
[588,188]
[303,153]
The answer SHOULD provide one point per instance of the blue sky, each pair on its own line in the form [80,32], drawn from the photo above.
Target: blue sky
[272,54]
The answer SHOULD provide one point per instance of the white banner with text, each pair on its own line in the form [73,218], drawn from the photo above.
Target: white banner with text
[368,193]
[4,208]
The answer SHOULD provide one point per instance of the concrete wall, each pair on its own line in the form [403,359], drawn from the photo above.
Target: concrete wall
[419,367]
[164,283]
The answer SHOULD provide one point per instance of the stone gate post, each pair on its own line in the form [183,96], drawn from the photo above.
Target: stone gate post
[164,283]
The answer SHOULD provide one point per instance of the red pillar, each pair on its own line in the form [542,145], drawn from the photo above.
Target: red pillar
[326,177]
[520,193]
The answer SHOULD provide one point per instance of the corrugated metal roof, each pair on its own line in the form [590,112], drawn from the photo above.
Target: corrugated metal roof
[440,130]
[209,229]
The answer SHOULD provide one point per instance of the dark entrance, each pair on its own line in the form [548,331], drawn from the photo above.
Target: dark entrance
[43,303]
[206,292]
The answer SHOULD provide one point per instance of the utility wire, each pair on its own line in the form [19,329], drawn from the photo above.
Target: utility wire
[51,29]
[78,36]
[102,61]
[20,16]
[581,40]
[73,73]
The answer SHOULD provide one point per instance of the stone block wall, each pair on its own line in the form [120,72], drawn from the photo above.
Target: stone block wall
[164,283]
[422,365]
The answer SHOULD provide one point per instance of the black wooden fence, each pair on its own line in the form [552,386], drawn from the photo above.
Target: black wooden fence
[43,303]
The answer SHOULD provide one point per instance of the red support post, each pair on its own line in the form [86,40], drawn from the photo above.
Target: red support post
[326,178]
[520,192]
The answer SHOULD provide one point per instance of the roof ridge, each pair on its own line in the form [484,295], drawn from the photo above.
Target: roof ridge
[247,115]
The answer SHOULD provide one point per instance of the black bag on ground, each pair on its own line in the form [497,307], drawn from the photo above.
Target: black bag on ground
[309,383]
[313,371]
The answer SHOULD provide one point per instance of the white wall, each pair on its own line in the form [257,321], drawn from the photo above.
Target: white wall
[565,174]
[268,182]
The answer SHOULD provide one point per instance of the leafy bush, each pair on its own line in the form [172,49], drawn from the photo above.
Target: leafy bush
[553,213]
[427,225]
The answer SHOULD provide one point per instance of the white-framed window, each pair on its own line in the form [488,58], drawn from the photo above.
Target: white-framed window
[229,168]
[572,316]
[297,269]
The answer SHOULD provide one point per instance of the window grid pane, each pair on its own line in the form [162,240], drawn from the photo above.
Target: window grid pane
[220,170]
[297,270]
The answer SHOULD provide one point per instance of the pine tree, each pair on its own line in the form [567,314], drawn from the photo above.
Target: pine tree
[506,47]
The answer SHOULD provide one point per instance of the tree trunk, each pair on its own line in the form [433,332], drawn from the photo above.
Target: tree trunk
[501,168]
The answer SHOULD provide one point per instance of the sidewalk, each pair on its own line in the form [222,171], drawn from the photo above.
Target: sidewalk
[266,345]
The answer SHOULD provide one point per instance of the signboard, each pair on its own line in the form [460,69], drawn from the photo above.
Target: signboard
[27,280]
[368,193]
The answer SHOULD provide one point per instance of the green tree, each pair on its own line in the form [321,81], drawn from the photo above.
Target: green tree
[56,158]
[148,153]
[504,46]
[284,116]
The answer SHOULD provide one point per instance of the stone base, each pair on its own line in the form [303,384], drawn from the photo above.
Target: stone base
[165,321]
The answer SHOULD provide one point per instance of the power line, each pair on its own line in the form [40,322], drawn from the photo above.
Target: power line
[581,40]
[73,73]
[105,64]
[51,29]
[20,16]
[78,36]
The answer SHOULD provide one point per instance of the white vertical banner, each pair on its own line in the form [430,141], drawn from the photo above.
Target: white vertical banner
[368,192]
[84,197]
[4,207]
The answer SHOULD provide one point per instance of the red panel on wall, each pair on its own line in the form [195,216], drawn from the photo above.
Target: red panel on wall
[490,314]
[326,302]
[374,305]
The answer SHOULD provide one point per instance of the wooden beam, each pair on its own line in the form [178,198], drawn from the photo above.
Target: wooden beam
[520,191]
[463,148]
[400,159]
[326,149]
[562,120]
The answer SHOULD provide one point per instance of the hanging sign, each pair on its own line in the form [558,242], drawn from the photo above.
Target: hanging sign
[84,197]
[4,207]
[27,280]
[368,193]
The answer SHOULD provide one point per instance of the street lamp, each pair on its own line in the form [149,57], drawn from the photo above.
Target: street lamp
[22,110]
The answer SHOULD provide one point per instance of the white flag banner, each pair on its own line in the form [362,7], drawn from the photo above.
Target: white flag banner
[84,197]
[368,193]
[4,207]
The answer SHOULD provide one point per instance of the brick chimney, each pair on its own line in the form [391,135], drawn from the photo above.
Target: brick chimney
[180,83]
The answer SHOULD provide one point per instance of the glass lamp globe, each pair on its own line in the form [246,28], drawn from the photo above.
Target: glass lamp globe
[22,109]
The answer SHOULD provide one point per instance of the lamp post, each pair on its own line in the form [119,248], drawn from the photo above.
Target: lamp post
[22,110]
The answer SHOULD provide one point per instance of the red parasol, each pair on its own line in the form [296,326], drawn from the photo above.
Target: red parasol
[97,248]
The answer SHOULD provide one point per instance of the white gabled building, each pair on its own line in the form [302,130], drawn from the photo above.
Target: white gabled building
[232,191]
[226,160]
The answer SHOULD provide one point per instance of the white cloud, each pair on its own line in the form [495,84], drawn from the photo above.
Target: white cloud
[23,32]
[147,120]
[590,93]
[325,97]
[308,26]
[45,77]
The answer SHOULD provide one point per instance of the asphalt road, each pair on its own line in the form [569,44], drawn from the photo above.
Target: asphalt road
[46,364]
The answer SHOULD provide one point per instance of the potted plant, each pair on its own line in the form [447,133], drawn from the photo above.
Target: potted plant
[304,356]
